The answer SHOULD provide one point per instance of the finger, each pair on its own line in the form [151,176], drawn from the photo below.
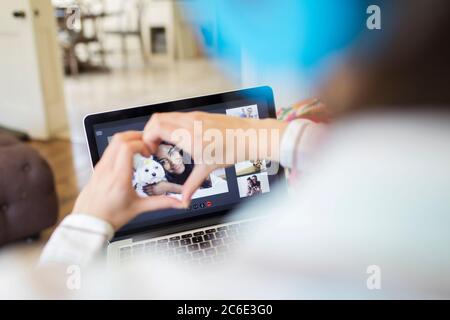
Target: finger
[124,136]
[194,181]
[153,203]
[161,126]
[155,131]
[125,153]
[118,139]
[128,135]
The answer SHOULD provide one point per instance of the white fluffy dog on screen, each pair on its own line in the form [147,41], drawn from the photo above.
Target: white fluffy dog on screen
[146,171]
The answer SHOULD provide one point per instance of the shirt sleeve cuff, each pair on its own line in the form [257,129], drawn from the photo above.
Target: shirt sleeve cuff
[290,141]
[77,240]
[88,223]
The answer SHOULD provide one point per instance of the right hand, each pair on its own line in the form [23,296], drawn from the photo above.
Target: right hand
[182,129]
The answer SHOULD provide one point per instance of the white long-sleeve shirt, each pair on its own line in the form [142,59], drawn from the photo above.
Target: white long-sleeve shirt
[369,217]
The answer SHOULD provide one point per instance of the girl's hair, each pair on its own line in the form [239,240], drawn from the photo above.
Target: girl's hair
[182,177]
[404,65]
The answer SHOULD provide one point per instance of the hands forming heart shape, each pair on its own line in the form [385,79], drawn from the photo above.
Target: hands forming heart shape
[212,140]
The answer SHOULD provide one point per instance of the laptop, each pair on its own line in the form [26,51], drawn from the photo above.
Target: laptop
[205,232]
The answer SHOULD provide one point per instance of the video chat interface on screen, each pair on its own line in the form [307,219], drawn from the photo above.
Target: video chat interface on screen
[165,172]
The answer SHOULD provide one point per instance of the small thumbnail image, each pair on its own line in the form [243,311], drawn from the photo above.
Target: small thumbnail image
[253,185]
[250,167]
[244,112]
[218,182]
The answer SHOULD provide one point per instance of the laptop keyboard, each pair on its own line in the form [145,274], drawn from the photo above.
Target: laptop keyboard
[201,246]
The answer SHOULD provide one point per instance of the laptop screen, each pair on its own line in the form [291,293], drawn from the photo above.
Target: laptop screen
[166,172]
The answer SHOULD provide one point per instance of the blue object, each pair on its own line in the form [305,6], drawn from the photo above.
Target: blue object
[280,33]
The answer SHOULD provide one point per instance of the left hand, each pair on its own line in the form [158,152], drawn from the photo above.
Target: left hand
[109,194]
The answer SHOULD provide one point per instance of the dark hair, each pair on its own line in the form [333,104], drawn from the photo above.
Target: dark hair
[254,183]
[182,177]
[406,64]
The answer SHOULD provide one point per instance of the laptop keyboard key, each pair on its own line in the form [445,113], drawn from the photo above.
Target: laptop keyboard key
[210,251]
[198,233]
[222,228]
[193,247]
[125,249]
[188,235]
[228,239]
[169,252]
[180,250]
[197,239]
[197,254]
[185,242]
[205,245]
[150,244]
[221,234]
[174,238]
[217,242]
[125,254]
[174,244]
[138,249]
[210,230]
[209,236]
[185,256]
[151,249]
[163,241]
[161,246]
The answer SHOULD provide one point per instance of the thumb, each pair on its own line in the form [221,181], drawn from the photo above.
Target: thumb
[194,181]
[153,203]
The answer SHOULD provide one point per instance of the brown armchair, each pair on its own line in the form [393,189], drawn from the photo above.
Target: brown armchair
[28,201]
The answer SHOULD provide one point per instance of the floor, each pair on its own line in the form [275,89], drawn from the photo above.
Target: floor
[136,85]
[139,85]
